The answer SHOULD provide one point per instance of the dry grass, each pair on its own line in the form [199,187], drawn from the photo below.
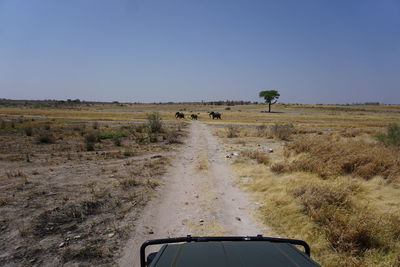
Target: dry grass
[329,157]
[328,215]
[202,163]
[348,221]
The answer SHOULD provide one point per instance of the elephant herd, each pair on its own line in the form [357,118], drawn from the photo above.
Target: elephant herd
[212,114]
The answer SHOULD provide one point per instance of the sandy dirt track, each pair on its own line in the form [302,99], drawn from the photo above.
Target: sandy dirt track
[199,197]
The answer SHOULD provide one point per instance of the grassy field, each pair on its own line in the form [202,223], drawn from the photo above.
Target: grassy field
[328,180]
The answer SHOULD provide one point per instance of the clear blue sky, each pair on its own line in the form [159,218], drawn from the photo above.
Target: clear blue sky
[311,51]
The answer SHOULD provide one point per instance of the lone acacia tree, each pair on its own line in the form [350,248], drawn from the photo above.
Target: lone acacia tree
[269,97]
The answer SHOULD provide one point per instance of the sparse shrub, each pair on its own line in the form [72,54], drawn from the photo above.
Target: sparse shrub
[154,122]
[24,231]
[153,139]
[45,137]
[279,167]
[172,137]
[86,253]
[52,221]
[262,131]
[142,139]
[392,135]
[28,130]
[111,134]
[128,153]
[46,127]
[286,152]
[127,183]
[79,127]
[3,124]
[282,131]
[141,128]
[232,131]
[117,141]
[260,156]
[90,141]
[181,125]
[95,125]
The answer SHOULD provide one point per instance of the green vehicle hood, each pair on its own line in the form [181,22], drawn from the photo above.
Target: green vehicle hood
[230,254]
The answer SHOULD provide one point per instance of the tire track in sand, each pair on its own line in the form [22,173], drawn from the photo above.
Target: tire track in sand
[198,198]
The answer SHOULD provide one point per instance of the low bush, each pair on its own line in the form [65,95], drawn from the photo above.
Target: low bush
[117,141]
[111,134]
[45,137]
[127,153]
[260,156]
[282,131]
[91,139]
[28,130]
[154,122]
[141,128]
[232,131]
[279,167]
[392,135]
[172,137]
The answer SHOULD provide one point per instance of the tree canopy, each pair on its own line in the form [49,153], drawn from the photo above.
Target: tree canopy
[270,97]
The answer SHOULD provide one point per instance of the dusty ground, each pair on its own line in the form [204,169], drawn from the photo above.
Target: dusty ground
[63,205]
[199,198]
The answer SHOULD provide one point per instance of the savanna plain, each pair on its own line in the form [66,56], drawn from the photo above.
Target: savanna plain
[76,177]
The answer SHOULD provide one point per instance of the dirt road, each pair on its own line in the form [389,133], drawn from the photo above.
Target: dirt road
[199,198]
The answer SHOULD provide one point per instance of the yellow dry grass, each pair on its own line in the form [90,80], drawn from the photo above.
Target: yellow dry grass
[285,213]
[333,185]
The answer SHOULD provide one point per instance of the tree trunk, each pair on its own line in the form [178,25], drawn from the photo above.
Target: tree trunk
[269,107]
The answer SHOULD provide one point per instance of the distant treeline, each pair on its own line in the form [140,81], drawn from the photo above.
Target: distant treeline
[47,103]
[216,103]
[50,103]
